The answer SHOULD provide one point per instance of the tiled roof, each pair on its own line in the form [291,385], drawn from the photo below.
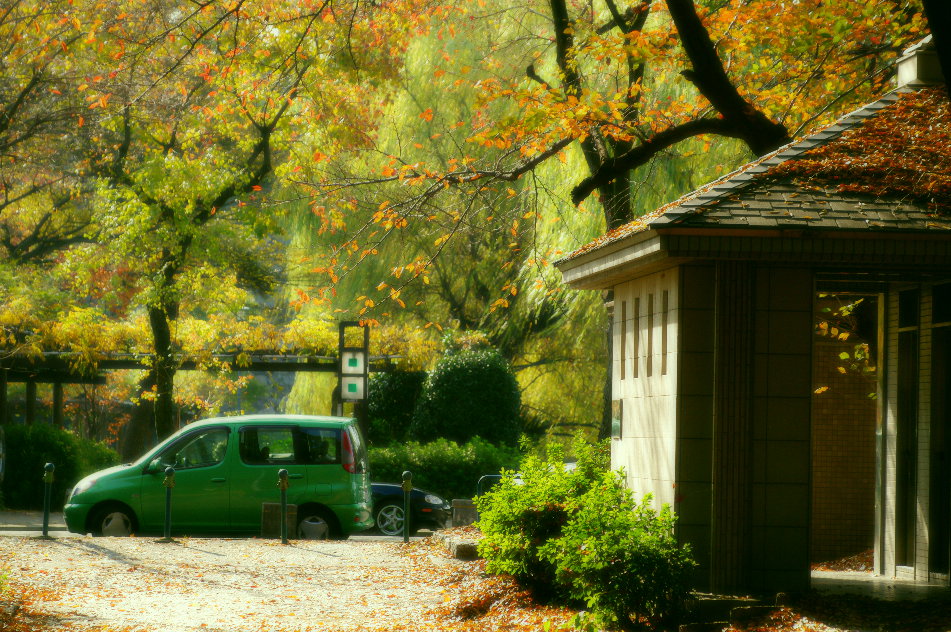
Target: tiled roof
[840,178]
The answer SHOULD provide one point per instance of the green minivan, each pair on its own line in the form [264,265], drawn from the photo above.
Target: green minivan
[225,470]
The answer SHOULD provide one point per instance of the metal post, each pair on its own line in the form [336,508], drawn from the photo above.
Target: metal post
[407,488]
[283,484]
[48,470]
[169,483]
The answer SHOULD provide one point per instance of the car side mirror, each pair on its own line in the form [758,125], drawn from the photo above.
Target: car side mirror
[155,467]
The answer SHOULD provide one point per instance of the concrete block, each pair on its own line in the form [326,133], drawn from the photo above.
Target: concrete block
[464,512]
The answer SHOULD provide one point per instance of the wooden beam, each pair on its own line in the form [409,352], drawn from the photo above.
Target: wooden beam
[58,404]
[51,377]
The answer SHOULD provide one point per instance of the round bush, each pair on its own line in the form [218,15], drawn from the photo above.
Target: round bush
[391,399]
[469,394]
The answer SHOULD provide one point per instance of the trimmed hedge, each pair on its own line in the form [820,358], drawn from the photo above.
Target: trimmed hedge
[469,394]
[579,536]
[29,448]
[443,467]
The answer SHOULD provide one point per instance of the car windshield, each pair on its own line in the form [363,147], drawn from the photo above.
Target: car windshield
[199,449]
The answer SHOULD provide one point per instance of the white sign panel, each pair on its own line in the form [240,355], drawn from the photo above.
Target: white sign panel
[352,387]
[352,363]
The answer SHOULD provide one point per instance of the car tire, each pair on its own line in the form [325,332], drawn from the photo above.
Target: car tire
[389,518]
[112,520]
[316,524]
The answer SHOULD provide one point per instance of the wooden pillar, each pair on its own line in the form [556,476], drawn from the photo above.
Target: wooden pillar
[30,402]
[58,404]
[4,413]
[732,429]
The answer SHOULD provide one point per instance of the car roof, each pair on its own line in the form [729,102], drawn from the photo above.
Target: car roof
[275,420]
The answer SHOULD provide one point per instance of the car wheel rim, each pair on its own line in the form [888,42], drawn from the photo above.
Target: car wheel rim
[313,528]
[390,520]
[116,524]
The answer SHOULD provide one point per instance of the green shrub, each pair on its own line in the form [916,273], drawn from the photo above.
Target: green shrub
[29,448]
[577,535]
[620,558]
[391,399]
[522,513]
[469,393]
[442,467]
[94,456]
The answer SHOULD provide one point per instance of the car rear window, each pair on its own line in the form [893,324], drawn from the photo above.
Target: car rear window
[270,445]
[322,445]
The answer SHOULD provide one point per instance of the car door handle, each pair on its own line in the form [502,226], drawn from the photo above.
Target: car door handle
[295,476]
[217,480]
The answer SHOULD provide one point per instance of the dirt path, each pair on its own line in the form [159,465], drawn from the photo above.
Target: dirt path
[230,585]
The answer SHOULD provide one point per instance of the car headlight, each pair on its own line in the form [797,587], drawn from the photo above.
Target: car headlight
[433,499]
[82,486]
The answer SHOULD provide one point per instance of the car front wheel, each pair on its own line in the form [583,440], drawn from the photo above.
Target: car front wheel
[389,519]
[112,520]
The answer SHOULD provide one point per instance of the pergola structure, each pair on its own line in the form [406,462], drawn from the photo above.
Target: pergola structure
[59,368]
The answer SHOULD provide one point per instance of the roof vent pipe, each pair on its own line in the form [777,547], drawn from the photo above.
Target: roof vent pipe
[919,67]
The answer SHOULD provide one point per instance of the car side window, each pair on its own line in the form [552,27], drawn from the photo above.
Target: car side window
[322,445]
[202,449]
[267,446]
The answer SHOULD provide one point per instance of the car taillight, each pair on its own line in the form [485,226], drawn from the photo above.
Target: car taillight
[349,463]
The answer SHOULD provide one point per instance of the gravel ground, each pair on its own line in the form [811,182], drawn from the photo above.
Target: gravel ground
[230,585]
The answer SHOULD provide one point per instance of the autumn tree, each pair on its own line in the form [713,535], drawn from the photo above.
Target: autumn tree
[39,210]
[174,122]
[630,85]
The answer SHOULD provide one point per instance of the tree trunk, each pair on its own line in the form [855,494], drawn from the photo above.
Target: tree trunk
[162,372]
[138,434]
[938,13]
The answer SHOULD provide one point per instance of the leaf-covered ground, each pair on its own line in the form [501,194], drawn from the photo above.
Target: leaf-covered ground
[50,590]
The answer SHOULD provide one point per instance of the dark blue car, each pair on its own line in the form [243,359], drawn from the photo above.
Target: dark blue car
[427,510]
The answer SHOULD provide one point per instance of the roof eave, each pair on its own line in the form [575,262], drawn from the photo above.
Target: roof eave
[599,268]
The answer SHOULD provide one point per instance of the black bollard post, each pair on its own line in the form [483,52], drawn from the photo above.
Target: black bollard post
[407,488]
[48,470]
[169,483]
[283,484]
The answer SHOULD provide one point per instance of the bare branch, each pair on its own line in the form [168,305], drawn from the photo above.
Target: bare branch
[649,148]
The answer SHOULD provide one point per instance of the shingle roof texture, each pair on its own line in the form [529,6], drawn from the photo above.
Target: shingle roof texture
[883,167]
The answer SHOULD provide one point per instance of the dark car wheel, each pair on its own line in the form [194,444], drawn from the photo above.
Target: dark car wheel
[112,520]
[389,518]
[317,524]
[313,527]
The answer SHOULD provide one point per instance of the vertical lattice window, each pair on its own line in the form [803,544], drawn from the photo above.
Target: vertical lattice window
[664,307]
[650,334]
[623,349]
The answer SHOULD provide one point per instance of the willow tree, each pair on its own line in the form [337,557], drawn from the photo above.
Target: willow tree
[625,85]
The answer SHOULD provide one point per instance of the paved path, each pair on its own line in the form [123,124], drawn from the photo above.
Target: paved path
[20,522]
[230,585]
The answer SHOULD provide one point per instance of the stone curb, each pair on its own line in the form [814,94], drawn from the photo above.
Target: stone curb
[460,548]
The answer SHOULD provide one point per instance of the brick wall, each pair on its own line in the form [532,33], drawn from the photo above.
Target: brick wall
[843,457]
